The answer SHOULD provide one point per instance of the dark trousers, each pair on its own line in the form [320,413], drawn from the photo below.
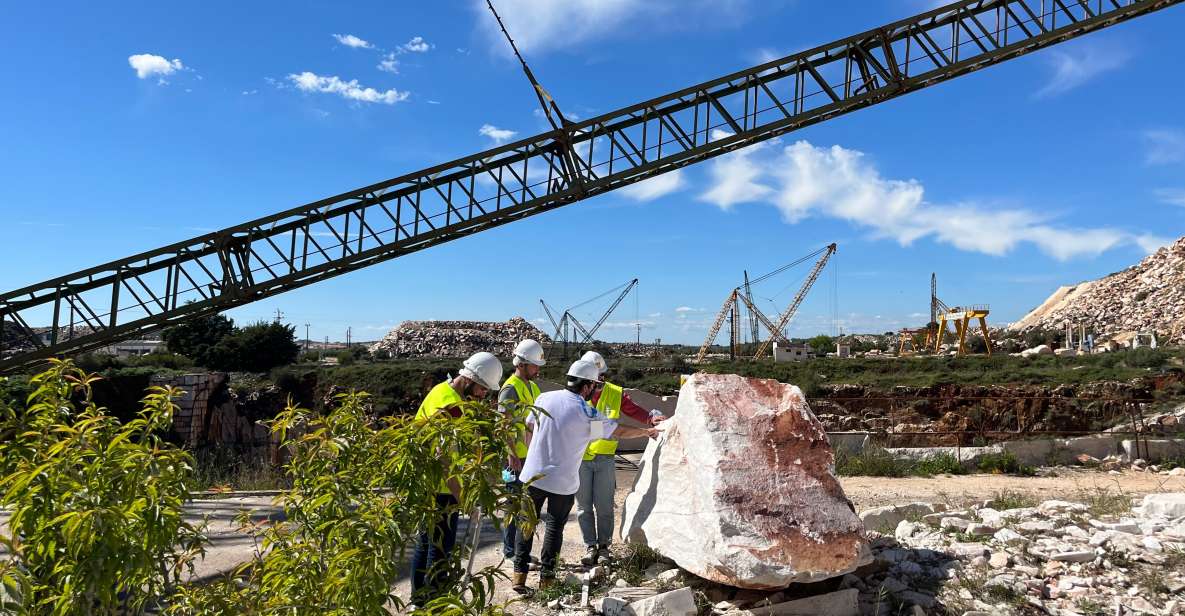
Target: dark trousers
[430,571]
[559,506]
[510,533]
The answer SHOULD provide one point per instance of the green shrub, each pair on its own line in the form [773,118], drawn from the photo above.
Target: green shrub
[96,522]
[1004,463]
[877,462]
[873,462]
[343,541]
[940,463]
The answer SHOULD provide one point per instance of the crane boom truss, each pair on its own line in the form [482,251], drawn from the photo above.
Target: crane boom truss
[790,311]
[210,273]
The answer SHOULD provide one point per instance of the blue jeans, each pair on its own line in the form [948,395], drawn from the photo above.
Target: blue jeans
[510,533]
[430,570]
[594,499]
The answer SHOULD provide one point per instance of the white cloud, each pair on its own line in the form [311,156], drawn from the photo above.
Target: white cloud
[349,40]
[655,187]
[499,135]
[1151,243]
[250,92]
[688,309]
[1075,66]
[147,65]
[389,64]
[351,90]
[1164,146]
[539,25]
[1171,196]
[802,180]
[417,44]
[735,178]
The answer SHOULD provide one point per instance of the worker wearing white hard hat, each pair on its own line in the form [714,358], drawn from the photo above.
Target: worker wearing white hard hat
[478,376]
[517,396]
[557,437]
[598,470]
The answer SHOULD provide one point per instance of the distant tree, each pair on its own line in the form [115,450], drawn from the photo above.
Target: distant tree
[196,338]
[257,348]
[822,344]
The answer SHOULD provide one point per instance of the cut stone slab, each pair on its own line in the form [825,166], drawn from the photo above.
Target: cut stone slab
[839,603]
[679,602]
[889,517]
[1080,556]
[738,488]
[1168,504]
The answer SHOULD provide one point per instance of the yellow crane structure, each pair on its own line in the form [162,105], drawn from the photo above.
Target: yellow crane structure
[961,318]
[907,337]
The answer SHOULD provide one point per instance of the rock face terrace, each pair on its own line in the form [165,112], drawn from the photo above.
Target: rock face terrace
[739,488]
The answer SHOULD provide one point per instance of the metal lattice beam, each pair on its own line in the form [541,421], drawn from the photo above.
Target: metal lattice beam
[214,272]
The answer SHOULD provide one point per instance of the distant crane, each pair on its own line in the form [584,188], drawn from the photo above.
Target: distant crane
[960,317]
[731,308]
[567,326]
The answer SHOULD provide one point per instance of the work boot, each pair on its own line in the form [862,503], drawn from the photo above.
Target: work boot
[603,554]
[546,582]
[519,583]
[591,555]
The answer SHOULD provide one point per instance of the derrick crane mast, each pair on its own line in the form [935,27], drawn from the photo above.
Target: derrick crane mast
[730,311]
[213,272]
[793,307]
[754,330]
[569,323]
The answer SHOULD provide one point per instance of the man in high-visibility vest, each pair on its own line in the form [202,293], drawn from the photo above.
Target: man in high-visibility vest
[517,396]
[479,375]
[557,436]
[598,471]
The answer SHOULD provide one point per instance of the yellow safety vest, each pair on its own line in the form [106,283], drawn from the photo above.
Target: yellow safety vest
[527,392]
[441,396]
[609,404]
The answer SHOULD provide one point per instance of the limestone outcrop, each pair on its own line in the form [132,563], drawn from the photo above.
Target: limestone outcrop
[739,488]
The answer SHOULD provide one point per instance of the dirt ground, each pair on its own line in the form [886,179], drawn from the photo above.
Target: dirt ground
[866,493]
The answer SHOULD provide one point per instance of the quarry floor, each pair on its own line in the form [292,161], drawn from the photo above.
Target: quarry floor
[230,547]
[865,492]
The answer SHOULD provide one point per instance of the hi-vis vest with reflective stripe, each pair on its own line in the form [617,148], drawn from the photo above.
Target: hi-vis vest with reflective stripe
[441,396]
[527,392]
[609,404]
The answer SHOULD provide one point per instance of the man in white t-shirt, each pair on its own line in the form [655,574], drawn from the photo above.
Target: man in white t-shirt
[556,442]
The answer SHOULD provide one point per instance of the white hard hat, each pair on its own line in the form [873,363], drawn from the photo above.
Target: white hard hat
[595,359]
[586,370]
[529,351]
[484,369]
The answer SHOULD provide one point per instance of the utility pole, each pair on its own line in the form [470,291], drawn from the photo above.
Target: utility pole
[348,337]
[639,333]
[279,315]
[306,337]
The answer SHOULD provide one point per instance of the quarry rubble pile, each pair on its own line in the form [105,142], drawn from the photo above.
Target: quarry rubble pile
[1149,296]
[1002,557]
[457,338]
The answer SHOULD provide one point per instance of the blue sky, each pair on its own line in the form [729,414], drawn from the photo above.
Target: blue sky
[131,126]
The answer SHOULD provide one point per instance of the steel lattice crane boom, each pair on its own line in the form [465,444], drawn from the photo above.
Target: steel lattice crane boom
[793,307]
[568,321]
[210,273]
[730,311]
